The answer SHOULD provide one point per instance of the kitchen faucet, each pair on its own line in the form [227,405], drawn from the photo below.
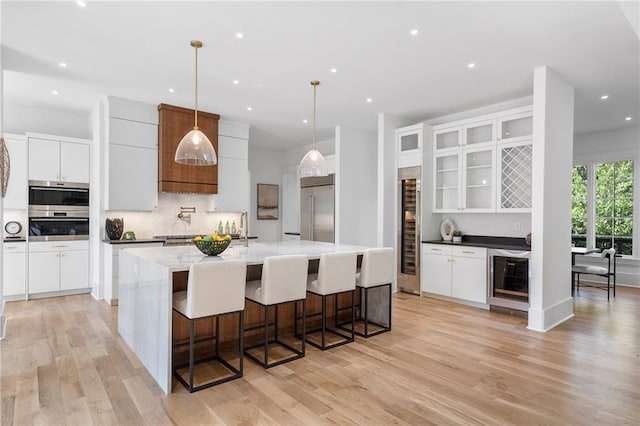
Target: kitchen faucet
[244,224]
[187,217]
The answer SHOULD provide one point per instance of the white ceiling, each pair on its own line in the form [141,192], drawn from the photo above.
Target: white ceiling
[140,50]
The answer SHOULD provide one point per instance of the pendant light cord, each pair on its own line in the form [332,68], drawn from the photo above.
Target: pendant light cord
[314,116]
[196,90]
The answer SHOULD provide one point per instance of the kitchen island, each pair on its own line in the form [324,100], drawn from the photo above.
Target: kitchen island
[147,283]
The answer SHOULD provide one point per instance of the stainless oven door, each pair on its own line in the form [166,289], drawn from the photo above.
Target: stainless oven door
[58,195]
[58,226]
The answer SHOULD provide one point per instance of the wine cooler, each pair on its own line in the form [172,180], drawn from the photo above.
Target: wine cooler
[409,229]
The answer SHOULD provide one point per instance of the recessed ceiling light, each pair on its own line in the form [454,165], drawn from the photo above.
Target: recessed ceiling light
[81,3]
[239,35]
[63,64]
[334,70]
[172,90]
[305,121]
[236,82]
[249,109]
[54,92]
[471,65]
[603,97]
[627,118]
[369,100]
[414,32]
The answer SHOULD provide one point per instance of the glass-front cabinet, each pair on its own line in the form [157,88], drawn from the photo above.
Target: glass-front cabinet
[479,133]
[446,197]
[447,139]
[409,145]
[516,127]
[479,179]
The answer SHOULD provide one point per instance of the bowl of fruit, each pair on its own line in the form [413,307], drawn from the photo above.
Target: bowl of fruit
[212,244]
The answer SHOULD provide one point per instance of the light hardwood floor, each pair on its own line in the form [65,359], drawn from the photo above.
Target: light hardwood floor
[63,363]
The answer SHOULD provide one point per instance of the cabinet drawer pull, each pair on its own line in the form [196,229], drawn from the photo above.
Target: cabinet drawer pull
[468,252]
[434,249]
[61,246]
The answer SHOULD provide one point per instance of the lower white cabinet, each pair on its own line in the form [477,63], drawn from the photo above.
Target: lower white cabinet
[14,269]
[455,271]
[111,266]
[58,265]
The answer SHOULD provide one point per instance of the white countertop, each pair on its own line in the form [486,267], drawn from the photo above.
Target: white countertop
[179,258]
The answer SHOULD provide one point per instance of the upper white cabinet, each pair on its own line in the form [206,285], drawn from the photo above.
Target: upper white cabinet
[409,145]
[515,127]
[130,155]
[57,159]
[483,164]
[233,169]
[16,197]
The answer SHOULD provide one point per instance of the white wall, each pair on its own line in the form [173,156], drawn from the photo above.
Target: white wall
[54,121]
[164,219]
[265,166]
[356,186]
[607,145]
[550,285]
[387,178]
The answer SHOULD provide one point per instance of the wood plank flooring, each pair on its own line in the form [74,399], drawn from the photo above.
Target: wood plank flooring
[63,363]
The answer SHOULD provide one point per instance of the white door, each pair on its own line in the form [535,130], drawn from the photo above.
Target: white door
[469,279]
[74,269]
[44,159]
[44,272]
[14,273]
[74,162]
[437,274]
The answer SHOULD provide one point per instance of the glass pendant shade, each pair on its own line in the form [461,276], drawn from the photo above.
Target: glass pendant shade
[195,149]
[313,164]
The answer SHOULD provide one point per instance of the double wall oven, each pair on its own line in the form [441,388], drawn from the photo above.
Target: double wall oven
[58,211]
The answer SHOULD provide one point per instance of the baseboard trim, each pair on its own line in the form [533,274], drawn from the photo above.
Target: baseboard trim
[543,320]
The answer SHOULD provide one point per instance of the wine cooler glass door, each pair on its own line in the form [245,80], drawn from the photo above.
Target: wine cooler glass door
[409,230]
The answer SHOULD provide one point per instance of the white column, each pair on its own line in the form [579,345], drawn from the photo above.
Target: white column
[550,301]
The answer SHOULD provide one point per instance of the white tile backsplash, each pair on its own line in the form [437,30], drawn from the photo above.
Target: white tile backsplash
[164,219]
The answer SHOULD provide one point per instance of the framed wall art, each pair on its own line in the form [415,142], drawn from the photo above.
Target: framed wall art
[267,201]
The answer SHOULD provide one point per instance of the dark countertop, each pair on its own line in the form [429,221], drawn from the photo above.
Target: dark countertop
[162,239]
[15,240]
[507,243]
[291,233]
[143,240]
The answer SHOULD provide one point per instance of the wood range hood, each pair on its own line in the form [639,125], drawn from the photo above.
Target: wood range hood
[173,123]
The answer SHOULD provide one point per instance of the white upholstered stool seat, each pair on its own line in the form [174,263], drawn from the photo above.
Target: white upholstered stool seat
[609,272]
[336,275]
[376,271]
[283,280]
[214,288]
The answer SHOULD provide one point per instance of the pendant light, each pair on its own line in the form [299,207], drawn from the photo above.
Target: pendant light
[313,163]
[195,148]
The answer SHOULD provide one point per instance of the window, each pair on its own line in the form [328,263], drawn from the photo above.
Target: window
[614,206]
[608,220]
[579,207]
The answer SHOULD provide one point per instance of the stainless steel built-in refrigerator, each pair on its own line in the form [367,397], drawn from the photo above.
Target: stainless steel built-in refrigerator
[409,229]
[317,201]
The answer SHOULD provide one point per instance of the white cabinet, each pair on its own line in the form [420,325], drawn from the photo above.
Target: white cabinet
[16,197]
[131,159]
[514,176]
[483,164]
[58,265]
[233,175]
[409,141]
[111,266]
[59,159]
[14,269]
[455,271]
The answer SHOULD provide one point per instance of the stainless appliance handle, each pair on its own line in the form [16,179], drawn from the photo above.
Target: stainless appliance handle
[60,219]
[60,189]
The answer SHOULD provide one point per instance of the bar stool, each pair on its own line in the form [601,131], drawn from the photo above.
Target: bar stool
[214,288]
[336,275]
[283,281]
[376,271]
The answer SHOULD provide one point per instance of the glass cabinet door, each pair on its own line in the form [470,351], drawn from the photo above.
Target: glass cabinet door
[482,132]
[479,175]
[516,127]
[447,182]
[447,138]
[409,142]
